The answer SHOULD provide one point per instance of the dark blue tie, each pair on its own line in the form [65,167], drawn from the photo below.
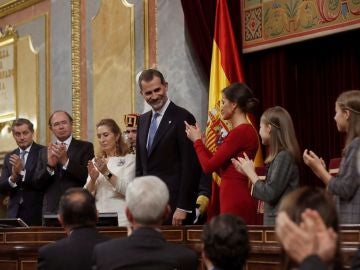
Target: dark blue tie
[152,130]
[22,158]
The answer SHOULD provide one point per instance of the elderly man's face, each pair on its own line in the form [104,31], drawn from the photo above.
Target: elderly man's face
[61,126]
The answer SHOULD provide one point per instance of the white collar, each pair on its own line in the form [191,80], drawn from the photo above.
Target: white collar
[67,141]
[27,149]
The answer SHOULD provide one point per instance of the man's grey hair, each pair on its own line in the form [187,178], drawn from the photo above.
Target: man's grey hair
[147,198]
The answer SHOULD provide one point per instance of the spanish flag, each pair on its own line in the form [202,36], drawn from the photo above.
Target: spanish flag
[225,69]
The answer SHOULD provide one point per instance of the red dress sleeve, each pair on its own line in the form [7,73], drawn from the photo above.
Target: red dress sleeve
[241,139]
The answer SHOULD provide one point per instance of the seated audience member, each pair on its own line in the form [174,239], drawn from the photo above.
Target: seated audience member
[78,216]
[307,226]
[226,243]
[346,184]
[18,172]
[111,171]
[282,175]
[147,207]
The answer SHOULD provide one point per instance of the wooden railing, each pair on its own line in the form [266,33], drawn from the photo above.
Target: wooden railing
[19,246]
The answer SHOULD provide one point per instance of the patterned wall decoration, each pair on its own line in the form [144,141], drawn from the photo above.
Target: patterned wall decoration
[269,23]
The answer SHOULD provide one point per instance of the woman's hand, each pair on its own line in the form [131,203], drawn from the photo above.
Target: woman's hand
[101,165]
[245,166]
[317,165]
[313,161]
[92,171]
[192,132]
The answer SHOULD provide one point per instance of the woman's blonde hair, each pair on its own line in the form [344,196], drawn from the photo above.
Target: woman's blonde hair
[350,100]
[121,147]
[282,134]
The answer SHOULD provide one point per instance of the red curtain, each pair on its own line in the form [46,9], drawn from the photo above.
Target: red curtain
[304,77]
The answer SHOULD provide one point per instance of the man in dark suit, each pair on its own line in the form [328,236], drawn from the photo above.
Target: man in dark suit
[25,201]
[145,248]
[162,148]
[62,164]
[78,216]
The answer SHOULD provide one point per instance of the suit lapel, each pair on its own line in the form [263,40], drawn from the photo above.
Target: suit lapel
[72,148]
[143,132]
[166,122]
[31,159]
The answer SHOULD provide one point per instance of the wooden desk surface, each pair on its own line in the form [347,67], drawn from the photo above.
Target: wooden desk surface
[19,246]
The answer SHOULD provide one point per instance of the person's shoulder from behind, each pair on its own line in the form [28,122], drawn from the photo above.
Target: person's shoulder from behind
[53,247]
[355,143]
[284,154]
[104,247]
[185,255]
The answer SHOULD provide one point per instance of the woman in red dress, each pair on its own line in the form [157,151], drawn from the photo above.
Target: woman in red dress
[235,198]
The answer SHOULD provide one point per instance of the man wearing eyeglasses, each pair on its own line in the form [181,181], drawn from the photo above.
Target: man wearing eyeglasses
[63,164]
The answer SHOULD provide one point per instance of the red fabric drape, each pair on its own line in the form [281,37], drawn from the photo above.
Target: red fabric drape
[199,19]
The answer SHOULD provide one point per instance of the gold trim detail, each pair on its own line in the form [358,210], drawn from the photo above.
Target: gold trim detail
[75,66]
[16,5]
[146,34]
[10,36]
[132,48]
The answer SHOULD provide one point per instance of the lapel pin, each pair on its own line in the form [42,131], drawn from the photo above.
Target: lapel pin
[169,122]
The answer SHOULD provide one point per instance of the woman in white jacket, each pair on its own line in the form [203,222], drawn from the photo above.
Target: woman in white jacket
[111,170]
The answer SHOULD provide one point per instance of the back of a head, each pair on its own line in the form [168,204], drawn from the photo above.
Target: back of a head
[77,208]
[226,242]
[295,203]
[147,198]
[317,199]
[242,95]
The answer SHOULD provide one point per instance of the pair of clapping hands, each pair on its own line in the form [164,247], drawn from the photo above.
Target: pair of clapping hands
[57,153]
[16,168]
[310,237]
[98,166]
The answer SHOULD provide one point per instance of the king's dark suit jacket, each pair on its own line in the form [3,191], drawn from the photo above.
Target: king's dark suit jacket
[71,253]
[54,186]
[145,248]
[172,156]
[32,198]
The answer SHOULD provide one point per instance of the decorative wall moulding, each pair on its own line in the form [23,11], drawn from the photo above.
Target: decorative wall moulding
[11,6]
[269,23]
